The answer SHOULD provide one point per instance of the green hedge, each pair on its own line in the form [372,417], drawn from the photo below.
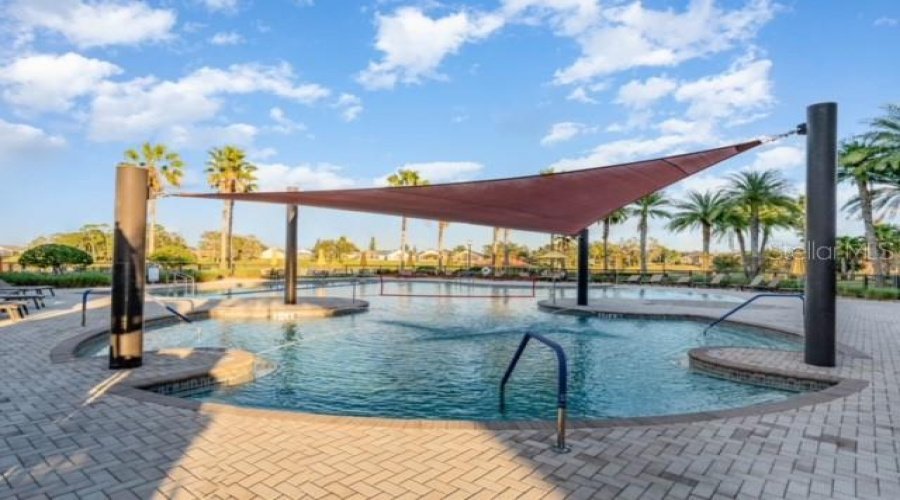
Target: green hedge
[82,279]
[871,293]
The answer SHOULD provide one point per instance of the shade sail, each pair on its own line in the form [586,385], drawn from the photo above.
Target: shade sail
[561,203]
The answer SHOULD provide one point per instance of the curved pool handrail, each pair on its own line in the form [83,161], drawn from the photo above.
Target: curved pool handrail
[750,301]
[562,389]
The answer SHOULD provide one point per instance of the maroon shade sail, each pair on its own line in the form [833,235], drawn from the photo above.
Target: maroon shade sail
[561,203]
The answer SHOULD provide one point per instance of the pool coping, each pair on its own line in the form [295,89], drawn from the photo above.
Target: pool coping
[140,389]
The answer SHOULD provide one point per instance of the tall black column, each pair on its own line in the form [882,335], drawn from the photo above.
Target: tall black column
[584,272]
[290,254]
[821,215]
[129,268]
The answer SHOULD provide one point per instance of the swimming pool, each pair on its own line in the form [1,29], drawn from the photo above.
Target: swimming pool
[414,357]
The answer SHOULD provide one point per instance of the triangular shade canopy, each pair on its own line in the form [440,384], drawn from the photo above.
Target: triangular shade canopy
[562,203]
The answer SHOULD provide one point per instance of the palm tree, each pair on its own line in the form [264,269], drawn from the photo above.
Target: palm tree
[757,190]
[859,164]
[849,249]
[885,135]
[405,178]
[772,218]
[228,171]
[646,208]
[506,248]
[164,167]
[615,218]
[733,222]
[442,226]
[699,210]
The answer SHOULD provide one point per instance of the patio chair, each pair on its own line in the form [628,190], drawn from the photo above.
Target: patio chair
[634,279]
[717,280]
[657,279]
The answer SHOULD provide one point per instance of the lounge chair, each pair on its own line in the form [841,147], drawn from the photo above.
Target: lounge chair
[25,289]
[682,281]
[717,280]
[657,279]
[634,279]
[17,297]
[754,283]
[15,310]
[771,286]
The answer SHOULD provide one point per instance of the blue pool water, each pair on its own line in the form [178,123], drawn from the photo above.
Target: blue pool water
[414,357]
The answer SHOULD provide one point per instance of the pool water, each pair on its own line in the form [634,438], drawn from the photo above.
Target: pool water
[467,287]
[443,358]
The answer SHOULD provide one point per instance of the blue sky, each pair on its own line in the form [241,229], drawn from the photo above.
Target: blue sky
[341,94]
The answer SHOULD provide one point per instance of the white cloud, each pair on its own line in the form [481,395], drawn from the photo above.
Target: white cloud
[437,172]
[221,5]
[350,105]
[887,21]
[205,137]
[634,36]
[24,141]
[414,44]
[283,124]
[308,177]
[96,23]
[779,158]
[138,108]
[640,95]
[744,87]
[226,38]
[48,82]
[564,131]
[567,17]
[579,94]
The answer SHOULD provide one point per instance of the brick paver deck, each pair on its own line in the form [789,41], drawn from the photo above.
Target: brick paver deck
[64,434]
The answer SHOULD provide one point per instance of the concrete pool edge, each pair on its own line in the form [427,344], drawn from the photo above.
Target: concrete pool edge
[142,390]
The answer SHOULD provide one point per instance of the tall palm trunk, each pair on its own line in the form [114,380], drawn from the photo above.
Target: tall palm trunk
[642,226]
[766,234]
[707,236]
[742,247]
[606,244]
[505,248]
[151,231]
[403,244]
[441,226]
[865,204]
[225,249]
[495,244]
[754,240]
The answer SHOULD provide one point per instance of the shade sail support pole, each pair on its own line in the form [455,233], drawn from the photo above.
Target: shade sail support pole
[126,331]
[821,222]
[584,271]
[290,253]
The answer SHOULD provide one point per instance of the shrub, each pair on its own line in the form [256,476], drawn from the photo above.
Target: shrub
[727,263]
[173,256]
[55,256]
[82,279]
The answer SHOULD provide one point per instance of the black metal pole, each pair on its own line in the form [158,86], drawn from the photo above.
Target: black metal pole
[290,254]
[129,268]
[821,215]
[583,271]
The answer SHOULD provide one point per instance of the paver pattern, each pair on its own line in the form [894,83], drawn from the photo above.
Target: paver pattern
[64,435]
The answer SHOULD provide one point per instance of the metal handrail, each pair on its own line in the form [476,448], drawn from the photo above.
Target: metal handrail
[89,291]
[750,301]
[187,278]
[562,384]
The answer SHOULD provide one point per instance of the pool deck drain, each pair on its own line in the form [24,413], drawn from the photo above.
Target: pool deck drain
[63,433]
